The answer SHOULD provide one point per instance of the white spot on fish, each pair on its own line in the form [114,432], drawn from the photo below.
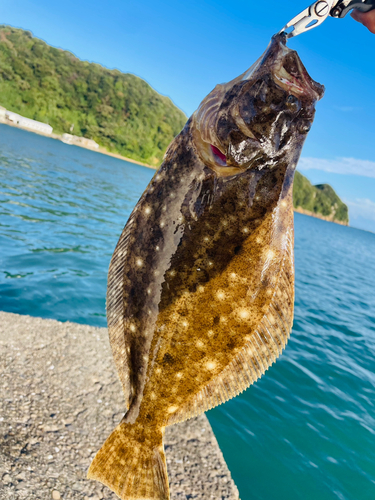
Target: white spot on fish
[185,324]
[139,262]
[210,333]
[201,289]
[243,313]
[147,210]
[210,365]
[179,375]
[245,230]
[172,409]
[271,319]
[132,328]
[220,295]
[199,344]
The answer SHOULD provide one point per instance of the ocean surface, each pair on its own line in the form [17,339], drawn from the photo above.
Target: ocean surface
[306,430]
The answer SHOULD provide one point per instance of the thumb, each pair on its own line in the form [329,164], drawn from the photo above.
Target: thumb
[366,18]
[357,15]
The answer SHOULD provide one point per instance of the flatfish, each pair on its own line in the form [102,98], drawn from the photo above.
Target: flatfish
[201,283]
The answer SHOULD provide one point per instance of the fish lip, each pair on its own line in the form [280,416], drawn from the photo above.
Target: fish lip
[273,61]
[302,81]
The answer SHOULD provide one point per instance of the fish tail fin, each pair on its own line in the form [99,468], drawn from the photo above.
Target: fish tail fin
[132,463]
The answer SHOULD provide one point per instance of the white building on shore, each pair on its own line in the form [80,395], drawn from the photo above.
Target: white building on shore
[79,141]
[28,123]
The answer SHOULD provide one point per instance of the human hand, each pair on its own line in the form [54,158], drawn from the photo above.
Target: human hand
[366,18]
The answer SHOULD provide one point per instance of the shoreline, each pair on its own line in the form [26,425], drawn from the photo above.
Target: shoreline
[59,138]
[62,399]
[302,211]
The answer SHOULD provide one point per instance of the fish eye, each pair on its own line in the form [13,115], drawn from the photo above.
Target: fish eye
[304,127]
[293,103]
[219,157]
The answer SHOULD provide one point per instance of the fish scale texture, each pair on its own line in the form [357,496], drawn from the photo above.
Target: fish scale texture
[60,398]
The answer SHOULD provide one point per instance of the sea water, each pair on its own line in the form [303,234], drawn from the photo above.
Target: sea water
[306,430]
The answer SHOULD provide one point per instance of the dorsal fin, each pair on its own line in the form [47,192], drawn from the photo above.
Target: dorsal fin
[262,348]
[120,343]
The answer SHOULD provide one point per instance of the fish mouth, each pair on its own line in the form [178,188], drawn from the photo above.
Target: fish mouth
[291,75]
[287,70]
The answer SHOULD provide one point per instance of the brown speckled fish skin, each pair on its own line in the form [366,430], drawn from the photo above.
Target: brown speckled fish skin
[201,284]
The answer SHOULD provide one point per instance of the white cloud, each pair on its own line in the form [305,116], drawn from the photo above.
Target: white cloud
[352,166]
[361,207]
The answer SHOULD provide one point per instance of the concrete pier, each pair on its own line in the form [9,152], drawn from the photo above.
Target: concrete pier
[59,400]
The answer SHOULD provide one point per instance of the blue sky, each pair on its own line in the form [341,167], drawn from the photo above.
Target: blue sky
[183,49]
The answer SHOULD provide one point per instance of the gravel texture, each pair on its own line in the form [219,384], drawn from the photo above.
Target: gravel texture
[60,399]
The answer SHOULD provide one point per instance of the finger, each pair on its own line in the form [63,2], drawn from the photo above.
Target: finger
[356,14]
[367,19]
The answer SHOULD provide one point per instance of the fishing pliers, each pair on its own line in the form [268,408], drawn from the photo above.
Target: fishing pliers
[318,12]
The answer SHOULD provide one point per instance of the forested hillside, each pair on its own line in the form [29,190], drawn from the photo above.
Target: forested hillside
[118,110]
